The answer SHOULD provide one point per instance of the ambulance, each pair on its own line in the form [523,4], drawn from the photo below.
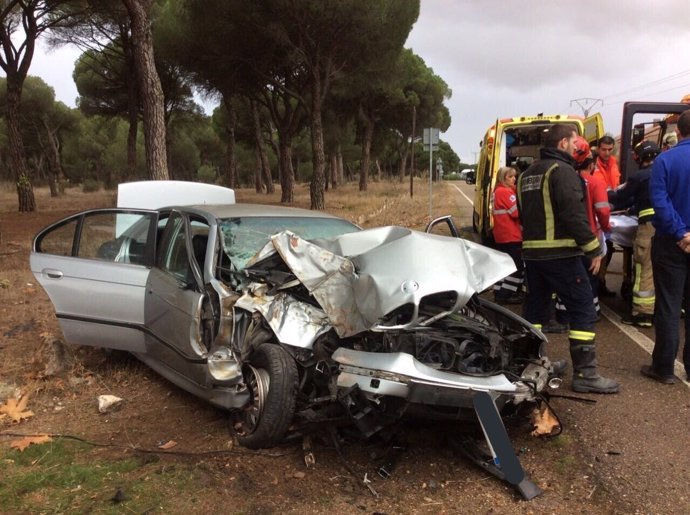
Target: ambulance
[516,142]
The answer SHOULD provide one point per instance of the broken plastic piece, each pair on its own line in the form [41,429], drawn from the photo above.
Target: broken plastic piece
[107,403]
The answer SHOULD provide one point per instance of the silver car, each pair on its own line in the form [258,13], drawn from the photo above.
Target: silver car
[286,317]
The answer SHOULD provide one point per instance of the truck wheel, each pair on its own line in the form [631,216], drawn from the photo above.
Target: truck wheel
[271,376]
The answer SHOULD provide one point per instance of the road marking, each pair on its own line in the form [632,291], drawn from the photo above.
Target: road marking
[463,194]
[640,339]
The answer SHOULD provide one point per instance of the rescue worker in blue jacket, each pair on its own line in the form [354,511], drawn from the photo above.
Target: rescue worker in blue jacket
[669,191]
[634,192]
[556,233]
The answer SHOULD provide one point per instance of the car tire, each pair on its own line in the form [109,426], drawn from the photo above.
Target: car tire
[271,376]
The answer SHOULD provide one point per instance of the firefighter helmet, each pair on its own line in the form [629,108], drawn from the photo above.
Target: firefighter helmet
[582,151]
[645,151]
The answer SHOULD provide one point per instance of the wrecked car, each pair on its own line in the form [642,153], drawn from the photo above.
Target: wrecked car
[285,316]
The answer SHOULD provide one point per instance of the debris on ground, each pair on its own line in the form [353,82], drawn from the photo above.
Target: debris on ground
[107,403]
[22,444]
[545,421]
[16,409]
[60,360]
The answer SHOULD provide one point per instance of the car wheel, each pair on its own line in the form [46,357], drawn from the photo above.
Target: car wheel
[271,377]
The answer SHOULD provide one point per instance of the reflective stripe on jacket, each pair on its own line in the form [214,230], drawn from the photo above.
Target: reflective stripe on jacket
[598,207]
[635,191]
[551,201]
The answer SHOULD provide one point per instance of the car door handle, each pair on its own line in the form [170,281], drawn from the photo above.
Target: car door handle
[52,273]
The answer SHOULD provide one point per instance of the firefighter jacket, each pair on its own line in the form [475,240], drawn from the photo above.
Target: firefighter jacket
[506,218]
[551,202]
[635,191]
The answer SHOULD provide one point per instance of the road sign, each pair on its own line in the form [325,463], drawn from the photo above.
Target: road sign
[431,136]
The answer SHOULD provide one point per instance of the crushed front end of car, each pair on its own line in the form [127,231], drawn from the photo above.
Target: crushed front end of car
[384,323]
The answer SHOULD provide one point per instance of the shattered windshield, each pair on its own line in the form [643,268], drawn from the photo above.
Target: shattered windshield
[244,237]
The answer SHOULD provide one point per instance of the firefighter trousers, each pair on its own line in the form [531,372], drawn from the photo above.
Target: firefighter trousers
[643,285]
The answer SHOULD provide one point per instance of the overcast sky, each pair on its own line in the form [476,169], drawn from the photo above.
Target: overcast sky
[505,58]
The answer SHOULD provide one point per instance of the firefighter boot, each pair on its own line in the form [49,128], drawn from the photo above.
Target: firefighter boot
[585,376]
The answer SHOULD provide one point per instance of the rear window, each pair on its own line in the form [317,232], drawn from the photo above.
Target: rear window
[244,237]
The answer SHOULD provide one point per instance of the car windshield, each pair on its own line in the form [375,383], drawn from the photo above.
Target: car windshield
[244,237]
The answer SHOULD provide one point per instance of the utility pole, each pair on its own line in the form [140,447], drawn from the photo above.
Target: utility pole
[586,104]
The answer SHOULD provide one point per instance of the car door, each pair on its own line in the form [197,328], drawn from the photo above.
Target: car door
[176,298]
[94,266]
[497,160]
[593,128]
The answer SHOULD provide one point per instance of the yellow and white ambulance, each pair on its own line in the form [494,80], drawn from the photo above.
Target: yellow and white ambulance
[516,142]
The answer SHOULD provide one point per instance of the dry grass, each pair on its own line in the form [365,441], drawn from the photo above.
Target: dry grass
[384,203]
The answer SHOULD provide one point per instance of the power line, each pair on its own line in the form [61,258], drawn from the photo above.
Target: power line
[650,83]
[647,95]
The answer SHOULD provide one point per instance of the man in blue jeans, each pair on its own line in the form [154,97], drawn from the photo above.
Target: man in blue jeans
[669,191]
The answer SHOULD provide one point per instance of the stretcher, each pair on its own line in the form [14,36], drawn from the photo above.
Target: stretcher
[622,235]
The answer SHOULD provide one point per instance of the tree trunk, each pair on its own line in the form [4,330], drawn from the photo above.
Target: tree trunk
[258,183]
[402,168]
[287,174]
[341,173]
[328,171]
[276,153]
[316,188]
[414,128]
[230,142]
[25,190]
[52,151]
[262,158]
[366,153]
[150,88]
[132,110]
[334,170]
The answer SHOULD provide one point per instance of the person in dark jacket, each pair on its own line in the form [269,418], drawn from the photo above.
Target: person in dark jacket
[635,191]
[556,233]
[669,192]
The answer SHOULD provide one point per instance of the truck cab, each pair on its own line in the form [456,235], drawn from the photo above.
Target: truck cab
[516,142]
[637,127]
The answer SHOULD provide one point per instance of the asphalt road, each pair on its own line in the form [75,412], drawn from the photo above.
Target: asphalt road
[637,442]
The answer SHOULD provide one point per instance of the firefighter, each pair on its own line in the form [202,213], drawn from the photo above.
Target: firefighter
[556,233]
[636,191]
[598,214]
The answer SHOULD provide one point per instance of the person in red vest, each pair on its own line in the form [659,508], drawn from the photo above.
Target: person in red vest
[606,164]
[607,168]
[508,236]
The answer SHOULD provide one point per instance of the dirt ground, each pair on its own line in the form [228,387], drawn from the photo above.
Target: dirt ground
[430,477]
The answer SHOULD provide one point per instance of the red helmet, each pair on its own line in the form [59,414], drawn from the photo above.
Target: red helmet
[582,150]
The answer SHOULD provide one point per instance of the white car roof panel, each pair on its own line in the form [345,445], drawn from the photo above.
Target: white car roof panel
[156,194]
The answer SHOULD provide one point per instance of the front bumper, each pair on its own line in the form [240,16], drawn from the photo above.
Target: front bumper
[399,374]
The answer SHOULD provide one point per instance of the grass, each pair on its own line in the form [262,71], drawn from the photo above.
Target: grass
[566,464]
[71,477]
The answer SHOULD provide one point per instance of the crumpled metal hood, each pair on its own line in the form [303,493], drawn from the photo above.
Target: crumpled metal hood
[359,278]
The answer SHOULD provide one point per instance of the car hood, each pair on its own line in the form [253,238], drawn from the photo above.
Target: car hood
[359,279]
